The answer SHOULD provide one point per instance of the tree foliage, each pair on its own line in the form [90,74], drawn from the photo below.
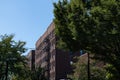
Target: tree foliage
[11,55]
[38,74]
[80,69]
[68,16]
[92,26]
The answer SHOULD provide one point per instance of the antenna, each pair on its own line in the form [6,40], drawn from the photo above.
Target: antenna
[31,48]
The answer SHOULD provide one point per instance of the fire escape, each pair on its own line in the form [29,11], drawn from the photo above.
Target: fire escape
[47,58]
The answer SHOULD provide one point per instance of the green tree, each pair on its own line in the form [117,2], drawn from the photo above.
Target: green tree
[106,16]
[92,26]
[80,69]
[38,74]
[12,62]
[70,19]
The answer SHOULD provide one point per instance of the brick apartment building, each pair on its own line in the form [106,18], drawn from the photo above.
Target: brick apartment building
[56,62]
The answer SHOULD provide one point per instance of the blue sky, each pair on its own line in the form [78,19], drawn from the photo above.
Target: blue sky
[27,19]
